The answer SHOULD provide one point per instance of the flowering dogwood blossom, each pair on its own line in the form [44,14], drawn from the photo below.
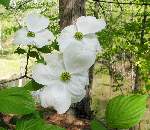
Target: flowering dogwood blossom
[58,97]
[35,32]
[83,32]
[65,83]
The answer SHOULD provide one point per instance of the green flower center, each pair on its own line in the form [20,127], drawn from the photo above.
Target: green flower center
[65,76]
[78,36]
[30,34]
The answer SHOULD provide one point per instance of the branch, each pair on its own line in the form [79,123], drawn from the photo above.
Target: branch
[21,77]
[119,5]
[123,3]
[26,67]
[8,81]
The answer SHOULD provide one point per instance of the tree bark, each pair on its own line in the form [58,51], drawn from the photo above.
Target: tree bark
[69,11]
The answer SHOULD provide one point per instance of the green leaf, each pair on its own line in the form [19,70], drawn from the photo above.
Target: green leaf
[16,101]
[147,87]
[20,51]
[5,2]
[45,49]
[95,125]
[33,86]
[41,60]
[125,111]
[2,128]
[35,124]
[34,54]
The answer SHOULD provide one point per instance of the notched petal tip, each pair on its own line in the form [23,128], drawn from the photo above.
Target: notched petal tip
[89,24]
[56,97]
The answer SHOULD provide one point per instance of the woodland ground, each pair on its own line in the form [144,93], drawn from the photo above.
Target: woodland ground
[101,92]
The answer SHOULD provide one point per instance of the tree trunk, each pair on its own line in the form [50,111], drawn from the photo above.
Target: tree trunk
[69,11]
[137,80]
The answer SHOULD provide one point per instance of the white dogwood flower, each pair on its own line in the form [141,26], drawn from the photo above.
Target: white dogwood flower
[35,32]
[83,32]
[58,97]
[66,82]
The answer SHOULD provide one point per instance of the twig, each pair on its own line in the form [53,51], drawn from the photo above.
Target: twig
[21,77]
[119,5]
[28,56]
[123,3]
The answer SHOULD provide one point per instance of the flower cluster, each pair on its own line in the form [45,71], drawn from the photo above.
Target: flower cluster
[65,73]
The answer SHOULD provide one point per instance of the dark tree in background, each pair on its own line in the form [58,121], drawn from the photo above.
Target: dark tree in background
[70,10]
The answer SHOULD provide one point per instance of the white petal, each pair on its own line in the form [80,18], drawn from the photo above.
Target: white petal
[76,90]
[21,37]
[36,22]
[66,37]
[92,43]
[77,86]
[56,97]
[55,62]
[77,58]
[89,24]
[64,41]
[82,78]
[43,74]
[75,99]
[69,30]
[43,38]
